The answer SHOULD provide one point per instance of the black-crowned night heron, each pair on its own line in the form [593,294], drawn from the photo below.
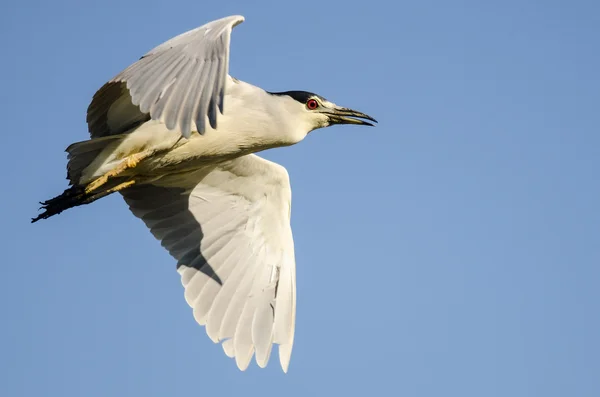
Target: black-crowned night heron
[175,135]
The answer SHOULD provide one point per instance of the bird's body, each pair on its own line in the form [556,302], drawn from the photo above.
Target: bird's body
[234,136]
[175,135]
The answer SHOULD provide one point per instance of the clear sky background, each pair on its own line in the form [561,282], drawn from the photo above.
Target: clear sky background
[454,250]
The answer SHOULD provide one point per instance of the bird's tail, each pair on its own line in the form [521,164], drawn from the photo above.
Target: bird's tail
[86,156]
[81,156]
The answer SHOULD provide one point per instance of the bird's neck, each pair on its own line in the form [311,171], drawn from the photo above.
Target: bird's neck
[258,119]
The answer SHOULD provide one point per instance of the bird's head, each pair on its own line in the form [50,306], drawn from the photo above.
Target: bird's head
[314,111]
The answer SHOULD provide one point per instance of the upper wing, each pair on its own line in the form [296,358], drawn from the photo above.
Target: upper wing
[228,226]
[180,82]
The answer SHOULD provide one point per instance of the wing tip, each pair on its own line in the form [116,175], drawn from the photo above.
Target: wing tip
[228,348]
[243,359]
[285,354]
[262,357]
[238,19]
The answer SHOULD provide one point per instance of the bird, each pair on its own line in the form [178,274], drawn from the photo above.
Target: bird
[176,136]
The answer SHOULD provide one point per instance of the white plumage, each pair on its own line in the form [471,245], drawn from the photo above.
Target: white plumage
[175,135]
[239,212]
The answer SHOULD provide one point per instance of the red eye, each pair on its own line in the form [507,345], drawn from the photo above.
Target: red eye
[312,104]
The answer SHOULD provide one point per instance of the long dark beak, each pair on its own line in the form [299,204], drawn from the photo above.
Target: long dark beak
[348,116]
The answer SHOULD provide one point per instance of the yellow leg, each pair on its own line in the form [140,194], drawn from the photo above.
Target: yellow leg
[129,162]
[120,186]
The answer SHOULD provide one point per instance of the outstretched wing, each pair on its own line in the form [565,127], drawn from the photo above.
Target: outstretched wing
[180,82]
[228,226]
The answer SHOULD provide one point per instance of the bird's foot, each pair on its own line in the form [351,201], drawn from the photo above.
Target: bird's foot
[127,163]
[121,186]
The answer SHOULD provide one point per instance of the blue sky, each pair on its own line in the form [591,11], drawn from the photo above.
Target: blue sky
[454,250]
